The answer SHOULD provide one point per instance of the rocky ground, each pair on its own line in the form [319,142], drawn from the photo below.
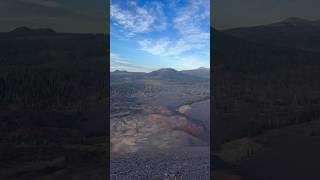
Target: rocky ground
[155,127]
[153,133]
[183,163]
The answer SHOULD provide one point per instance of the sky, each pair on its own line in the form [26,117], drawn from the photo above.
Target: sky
[239,13]
[82,16]
[148,35]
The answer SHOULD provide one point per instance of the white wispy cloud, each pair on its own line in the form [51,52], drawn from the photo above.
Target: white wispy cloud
[119,63]
[139,19]
[189,24]
[159,47]
[189,30]
[189,19]
[164,46]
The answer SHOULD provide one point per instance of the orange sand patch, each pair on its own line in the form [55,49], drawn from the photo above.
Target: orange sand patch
[176,121]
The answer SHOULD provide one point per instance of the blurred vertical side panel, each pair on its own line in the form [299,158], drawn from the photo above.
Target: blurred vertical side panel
[266,89]
[53,90]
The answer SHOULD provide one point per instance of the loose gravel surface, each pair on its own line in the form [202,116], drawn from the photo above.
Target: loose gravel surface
[192,163]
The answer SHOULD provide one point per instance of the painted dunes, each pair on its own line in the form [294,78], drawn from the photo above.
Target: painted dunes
[157,128]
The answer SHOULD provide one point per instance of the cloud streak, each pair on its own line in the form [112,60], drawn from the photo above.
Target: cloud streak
[138,19]
[119,63]
[193,35]
[173,33]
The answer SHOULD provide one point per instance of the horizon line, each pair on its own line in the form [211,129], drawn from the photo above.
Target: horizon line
[49,28]
[279,21]
[160,69]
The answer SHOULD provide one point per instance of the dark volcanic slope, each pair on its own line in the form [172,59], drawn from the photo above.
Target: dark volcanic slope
[53,103]
[144,110]
[230,51]
[287,153]
[18,47]
[150,139]
[258,86]
[200,72]
[292,32]
[174,75]
[41,65]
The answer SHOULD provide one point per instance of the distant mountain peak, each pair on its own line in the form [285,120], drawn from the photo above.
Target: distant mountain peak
[203,68]
[21,29]
[119,71]
[165,70]
[295,20]
[199,72]
[293,32]
[26,30]
[164,73]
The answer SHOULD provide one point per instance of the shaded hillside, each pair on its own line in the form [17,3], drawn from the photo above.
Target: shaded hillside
[259,87]
[49,68]
[292,32]
[45,46]
[200,72]
[28,31]
[165,74]
[53,103]
[256,57]
[173,75]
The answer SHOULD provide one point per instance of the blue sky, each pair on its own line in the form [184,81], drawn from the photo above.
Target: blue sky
[148,35]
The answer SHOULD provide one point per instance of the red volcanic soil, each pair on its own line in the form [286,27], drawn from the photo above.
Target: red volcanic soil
[152,129]
[176,123]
